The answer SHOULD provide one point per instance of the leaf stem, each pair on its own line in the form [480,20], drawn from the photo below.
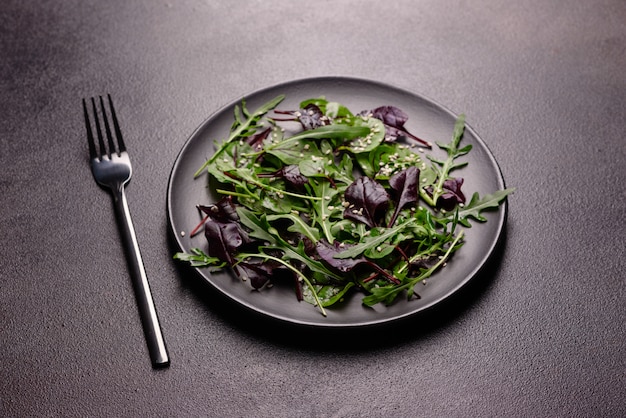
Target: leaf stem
[459,127]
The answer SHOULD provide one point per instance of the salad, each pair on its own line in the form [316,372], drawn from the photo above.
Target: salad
[337,203]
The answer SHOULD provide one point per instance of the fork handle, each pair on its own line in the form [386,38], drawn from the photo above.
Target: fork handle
[147,311]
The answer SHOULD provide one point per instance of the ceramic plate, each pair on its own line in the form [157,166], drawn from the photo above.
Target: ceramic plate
[427,120]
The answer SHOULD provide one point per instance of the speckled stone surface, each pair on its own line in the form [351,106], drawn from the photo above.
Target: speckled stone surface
[541,333]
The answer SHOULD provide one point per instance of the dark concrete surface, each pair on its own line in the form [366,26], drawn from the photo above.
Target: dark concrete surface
[540,334]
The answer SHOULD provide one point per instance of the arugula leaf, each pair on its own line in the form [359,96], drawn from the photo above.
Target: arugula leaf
[242,128]
[198,258]
[477,205]
[443,172]
[324,206]
[388,294]
[328,295]
[373,241]
[298,225]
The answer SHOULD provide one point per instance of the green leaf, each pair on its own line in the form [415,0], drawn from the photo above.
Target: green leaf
[443,173]
[371,242]
[371,139]
[198,258]
[324,207]
[387,294]
[477,205]
[295,152]
[384,294]
[258,225]
[298,225]
[338,131]
[242,127]
[331,109]
[381,251]
[327,294]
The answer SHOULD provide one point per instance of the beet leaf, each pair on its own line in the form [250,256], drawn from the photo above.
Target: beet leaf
[405,187]
[367,200]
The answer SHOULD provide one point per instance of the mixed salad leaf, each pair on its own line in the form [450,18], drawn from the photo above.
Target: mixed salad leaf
[334,201]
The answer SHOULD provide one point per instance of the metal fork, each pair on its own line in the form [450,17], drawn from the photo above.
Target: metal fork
[111,168]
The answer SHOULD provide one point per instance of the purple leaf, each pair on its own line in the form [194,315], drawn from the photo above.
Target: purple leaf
[224,238]
[224,210]
[390,116]
[452,194]
[368,201]
[405,185]
[394,120]
[256,140]
[290,173]
[258,273]
[327,252]
[310,117]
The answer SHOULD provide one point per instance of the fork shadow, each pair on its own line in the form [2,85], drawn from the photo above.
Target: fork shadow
[343,339]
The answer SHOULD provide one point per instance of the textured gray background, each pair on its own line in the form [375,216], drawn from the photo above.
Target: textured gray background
[543,83]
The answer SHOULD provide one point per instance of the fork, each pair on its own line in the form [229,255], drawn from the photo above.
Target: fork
[111,168]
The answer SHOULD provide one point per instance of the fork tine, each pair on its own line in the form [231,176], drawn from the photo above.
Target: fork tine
[107,129]
[98,129]
[92,145]
[116,126]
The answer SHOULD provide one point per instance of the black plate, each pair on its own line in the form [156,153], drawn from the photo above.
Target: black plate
[427,120]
